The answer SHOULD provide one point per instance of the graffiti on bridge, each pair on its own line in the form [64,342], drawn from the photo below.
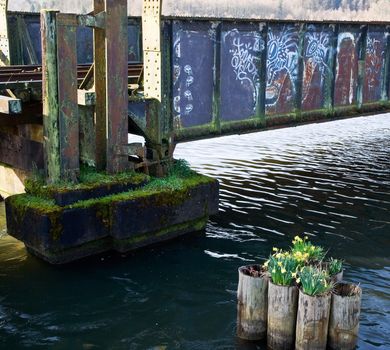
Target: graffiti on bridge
[374,66]
[317,50]
[347,68]
[282,68]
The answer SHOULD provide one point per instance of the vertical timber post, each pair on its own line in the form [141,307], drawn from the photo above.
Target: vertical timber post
[117,83]
[67,96]
[50,95]
[99,37]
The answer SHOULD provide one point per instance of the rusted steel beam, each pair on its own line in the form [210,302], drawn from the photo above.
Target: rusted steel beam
[9,105]
[50,95]
[117,89]
[100,91]
[67,96]
[34,73]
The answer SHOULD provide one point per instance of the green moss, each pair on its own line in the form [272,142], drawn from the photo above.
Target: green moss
[170,190]
[89,179]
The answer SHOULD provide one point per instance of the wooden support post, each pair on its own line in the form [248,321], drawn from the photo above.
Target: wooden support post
[67,96]
[50,95]
[100,91]
[117,83]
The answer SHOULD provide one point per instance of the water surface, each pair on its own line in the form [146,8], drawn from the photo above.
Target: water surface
[330,181]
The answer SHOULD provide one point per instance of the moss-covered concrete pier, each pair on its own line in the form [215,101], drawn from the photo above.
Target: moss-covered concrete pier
[144,211]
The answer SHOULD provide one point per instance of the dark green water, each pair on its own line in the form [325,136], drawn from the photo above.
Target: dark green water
[330,181]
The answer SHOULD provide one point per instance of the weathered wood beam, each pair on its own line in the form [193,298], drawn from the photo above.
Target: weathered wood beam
[9,105]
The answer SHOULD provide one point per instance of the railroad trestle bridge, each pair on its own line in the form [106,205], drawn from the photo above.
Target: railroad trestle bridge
[74,86]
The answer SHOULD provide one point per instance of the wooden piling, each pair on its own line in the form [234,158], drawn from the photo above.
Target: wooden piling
[282,313]
[252,303]
[344,317]
[312,321]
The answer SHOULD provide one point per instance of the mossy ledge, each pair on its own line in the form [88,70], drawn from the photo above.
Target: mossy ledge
[163,208]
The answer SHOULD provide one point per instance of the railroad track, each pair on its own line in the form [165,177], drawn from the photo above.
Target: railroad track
[26,76]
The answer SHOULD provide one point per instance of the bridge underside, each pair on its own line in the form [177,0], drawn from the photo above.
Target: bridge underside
[245,76]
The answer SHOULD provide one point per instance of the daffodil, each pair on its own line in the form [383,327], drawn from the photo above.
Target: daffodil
[283,270]
[274,249]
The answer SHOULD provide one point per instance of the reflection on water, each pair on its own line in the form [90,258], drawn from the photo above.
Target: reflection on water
[330,181]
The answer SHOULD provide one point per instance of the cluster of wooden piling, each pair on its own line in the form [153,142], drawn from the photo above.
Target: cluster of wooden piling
[288,318]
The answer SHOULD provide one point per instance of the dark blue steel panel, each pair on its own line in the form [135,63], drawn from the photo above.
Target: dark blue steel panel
[84,41]
[84,45]
[375,63]
[193,60]
[282,68]
[133,31]
[317,71]
[242,45]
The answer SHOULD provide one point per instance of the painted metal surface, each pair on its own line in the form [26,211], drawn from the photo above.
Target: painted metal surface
[308,10]
[347,68]
[374,64]
[192,51]
[317,66]
[22,38]
[241,49]
[282,68]
[257,74]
